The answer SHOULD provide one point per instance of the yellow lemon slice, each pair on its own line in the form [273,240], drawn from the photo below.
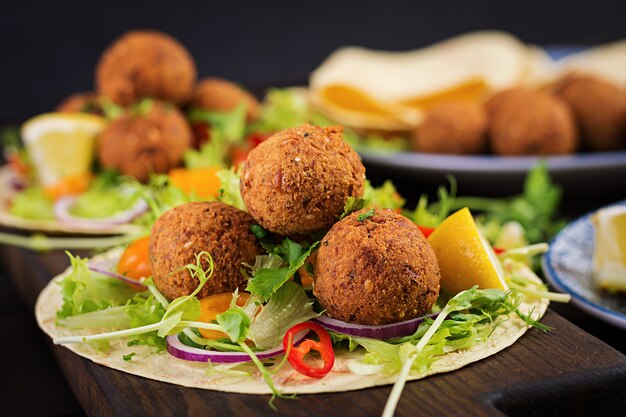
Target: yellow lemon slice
[465,257]
[61,145]
[609,255]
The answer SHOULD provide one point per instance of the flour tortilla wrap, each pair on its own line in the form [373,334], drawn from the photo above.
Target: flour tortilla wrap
[167,368]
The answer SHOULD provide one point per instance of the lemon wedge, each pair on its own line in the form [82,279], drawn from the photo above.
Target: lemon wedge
[61,145]
[465,258]
[609,255]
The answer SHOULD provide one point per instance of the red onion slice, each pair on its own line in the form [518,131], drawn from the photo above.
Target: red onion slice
[179,350]
[383,332]
[62,212]
[107,272]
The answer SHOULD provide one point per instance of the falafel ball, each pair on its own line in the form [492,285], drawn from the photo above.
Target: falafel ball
[376,270]
[600,110]
[186,230]
[216,94]
[452,127]
[146,63]
[528,122]
[141,144]
[81,103]
[297,181]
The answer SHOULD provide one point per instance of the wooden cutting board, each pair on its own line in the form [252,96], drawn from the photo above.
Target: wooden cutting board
[564,372]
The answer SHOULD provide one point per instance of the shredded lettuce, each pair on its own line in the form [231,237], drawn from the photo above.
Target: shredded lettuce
[385,196]
[226,130]
[100,202]
[287,307]
[32,203]
[230,193]
[282,109]
[84,291]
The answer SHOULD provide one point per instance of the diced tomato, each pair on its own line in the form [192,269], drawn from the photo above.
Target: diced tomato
[135,261]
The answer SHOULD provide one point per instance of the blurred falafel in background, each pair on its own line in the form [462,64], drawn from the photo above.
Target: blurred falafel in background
[146,63]
[452,127]
[531,122]
[599,108]
[145,140]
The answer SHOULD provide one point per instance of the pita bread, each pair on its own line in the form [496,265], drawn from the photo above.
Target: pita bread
[166,368]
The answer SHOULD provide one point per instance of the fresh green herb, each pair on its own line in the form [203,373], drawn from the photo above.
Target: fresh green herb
[266,281]
[365,215]
[128,357]
[432,215]
[535,209]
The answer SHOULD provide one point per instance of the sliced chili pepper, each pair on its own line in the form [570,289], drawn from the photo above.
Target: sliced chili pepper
[296,354]
[426,231]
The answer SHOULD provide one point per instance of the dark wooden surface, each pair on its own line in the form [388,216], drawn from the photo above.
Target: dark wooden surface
[565,372]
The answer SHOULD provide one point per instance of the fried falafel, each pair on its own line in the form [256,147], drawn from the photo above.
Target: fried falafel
[146,63]
[452,127]
[600,110]
[525,122]
[216,94]
[142,144]
[186,230]
[376,268]
[298,180]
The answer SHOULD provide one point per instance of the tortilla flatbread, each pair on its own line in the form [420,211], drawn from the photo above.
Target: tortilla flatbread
[7,192]
[166,368]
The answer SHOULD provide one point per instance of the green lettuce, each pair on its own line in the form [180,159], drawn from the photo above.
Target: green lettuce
[85,291]
[32,203]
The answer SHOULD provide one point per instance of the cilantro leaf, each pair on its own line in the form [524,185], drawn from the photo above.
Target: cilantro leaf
[266,281]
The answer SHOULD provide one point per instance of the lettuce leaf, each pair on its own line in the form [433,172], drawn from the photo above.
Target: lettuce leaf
[32,203]
[287,307]
[85,291]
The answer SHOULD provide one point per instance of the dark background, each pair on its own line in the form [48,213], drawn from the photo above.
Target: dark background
[50,49]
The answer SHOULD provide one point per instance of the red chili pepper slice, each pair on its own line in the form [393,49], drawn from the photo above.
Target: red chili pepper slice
[296,354]
[426,231]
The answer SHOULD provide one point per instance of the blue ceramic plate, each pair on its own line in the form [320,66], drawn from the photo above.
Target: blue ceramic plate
[568,266]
